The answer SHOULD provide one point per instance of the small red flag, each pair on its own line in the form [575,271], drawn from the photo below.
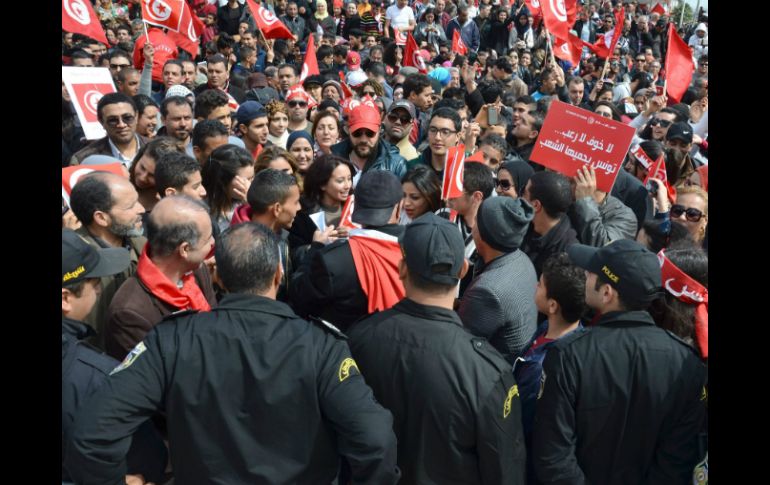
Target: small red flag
[347,213]
[568,51]
[78,16]
[164,13]
[679,65]
[659,172]
[660,9]
[346,91]
[458,45]
[399,37]
[412,55]
[605,43]
[559,16]
[189,37]
[452,185]
[268,23]
[310,66]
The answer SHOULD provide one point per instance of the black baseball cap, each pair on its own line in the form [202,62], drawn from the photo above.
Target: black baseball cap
[680,131]
[433,249]
[377,192]
[81,261]
[626,265]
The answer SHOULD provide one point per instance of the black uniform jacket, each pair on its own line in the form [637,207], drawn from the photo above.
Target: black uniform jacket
[326,285]
[455,404]
[622,403]
[252,393]
[84,370]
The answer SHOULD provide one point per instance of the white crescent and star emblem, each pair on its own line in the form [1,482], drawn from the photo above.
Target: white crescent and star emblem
[158,10]
[78,11]
[558,9]
[91,100]
[267,16]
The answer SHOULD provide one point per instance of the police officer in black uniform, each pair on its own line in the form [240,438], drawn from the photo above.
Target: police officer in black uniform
[252,393]
[455,404]
[85,368]
[622,402]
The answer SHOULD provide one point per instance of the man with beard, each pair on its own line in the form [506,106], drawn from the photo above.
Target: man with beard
[108,206]
[116,113]
[177,115]
[297,102]
[365,149]
[398,124]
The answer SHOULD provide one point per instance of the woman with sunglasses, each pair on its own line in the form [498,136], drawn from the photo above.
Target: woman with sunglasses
[326,132]
[422,193]
[277,123]
[692,209]
[512,177]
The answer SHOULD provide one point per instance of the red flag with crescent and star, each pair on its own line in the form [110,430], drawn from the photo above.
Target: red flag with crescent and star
[164,13]
[452,185]
[78,17]
[268,23]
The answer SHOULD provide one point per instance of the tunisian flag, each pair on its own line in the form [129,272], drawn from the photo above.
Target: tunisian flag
[189,37]
[458,45]
[310,66]
[78,16]
[452,185]
[660,9]
[268,23]
[605,43]
[165,49]
[164,13]
[568,51]
[376,256]
[559,16]
[679,65]
[412,55]
[659,172]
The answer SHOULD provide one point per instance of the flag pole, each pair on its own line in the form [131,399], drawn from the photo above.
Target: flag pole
[683,3]
[147,36]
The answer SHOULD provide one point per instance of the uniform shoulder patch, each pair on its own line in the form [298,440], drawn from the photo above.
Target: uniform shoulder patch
[346,368]
[130,358]
[512,392]
[177,314]
[327,326]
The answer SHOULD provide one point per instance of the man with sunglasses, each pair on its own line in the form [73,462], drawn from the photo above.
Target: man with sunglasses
[364,147]
[116,113]
[297,103]
[119,60]
[398,124]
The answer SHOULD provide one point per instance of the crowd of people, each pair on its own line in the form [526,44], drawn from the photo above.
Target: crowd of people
[262,283]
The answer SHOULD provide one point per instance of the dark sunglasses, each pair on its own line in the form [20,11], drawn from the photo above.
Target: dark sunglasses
[504,184]
[403,119]
[662,123]
[294,104]
[691,214]
[370,93]
[114,120]
[119,66]
[364,132]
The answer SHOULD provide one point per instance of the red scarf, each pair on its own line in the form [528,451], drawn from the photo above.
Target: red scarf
[376,256]
[689,291]
[188,297]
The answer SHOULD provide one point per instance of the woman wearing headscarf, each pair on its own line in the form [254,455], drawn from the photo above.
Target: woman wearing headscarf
[522,36]
[512,178]
[429,30]
[323,19]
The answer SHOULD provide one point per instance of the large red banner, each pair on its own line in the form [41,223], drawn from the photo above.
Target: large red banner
[572,138]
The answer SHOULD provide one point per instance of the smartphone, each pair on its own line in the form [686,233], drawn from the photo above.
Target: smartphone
[652,187]
[492,115]
[659,90]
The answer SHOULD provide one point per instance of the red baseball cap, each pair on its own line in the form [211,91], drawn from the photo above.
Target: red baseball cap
[364,116]
[353,60]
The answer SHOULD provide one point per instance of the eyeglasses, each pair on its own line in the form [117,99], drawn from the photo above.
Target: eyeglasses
[703,64]
[363,132]
[691,213]
[119,66]
[115,120]
[445,132]
[294,104]
[504,184]
[641,60]
[403,119]
[370,93]
[662,123]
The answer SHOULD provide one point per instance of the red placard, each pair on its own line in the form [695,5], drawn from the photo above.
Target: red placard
[88,96]
[572,138]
